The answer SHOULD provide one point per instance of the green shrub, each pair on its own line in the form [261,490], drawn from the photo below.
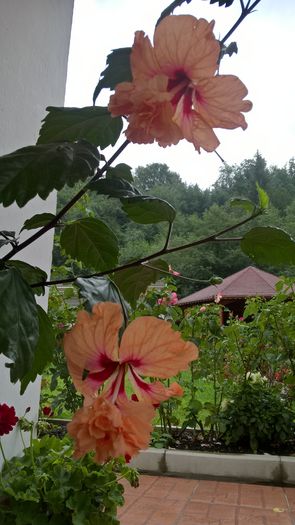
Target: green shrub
[257,416]
[46,486]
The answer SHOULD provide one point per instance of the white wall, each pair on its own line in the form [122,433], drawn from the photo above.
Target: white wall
[34,45]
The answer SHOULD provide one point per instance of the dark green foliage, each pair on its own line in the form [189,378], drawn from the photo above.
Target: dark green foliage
[31,274]
[269,246]
[148,210]
[92,242]
[257,416]
[100,289]
[44,350]
[59,490]
[37,170]
[37,221]
[19,326]
[221,3]
[113,186]
[93,124]
[118,70]
[134,281]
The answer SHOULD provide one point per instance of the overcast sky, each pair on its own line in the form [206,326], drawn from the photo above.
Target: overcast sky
[265,63]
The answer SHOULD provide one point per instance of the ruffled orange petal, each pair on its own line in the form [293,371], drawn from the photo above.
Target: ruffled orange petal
[182,42]
[92,344]
[121,102]
[110,430]
[221,102]
[144,64]
[152,348]
[194,129]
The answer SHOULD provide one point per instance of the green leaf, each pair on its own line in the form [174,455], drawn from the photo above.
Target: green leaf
[31,274]
[118,70]
[44,349]
[114,186]
[37,221]
[263,198]
[134,281]
[91,123]
[246,204]
[3,242]
[37,170]
[289,379]
[148,210]
[92,242]
[100,289]
[268,245]
[121,170]
[19,326]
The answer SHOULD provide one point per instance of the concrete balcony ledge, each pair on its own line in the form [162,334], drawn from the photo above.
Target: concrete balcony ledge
[251,468]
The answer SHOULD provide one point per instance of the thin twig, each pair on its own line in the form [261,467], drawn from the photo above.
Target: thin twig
[168,236]
[164,251]
[245,12]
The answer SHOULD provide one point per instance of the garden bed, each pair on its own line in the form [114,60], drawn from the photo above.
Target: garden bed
[192,440]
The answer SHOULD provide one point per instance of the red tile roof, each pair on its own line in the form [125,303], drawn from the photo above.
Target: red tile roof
[246,283]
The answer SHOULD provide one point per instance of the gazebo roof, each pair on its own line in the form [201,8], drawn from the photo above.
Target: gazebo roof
[248,282]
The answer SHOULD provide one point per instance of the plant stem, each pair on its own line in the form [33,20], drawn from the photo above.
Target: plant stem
[215,237]
[3,455]
[31,447]
[246,10]
[66,208]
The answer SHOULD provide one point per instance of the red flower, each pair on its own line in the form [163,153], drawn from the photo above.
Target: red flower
[47,411]
[7,419]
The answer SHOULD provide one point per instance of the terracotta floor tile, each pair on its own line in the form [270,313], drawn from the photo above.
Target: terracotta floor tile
[290,494]
[168,514]
[205,491]
[198,509]
[164,500]
[227,493]
[140,511]
[183,489]
[225,512]
[161,488]
[263,496]
[254,516]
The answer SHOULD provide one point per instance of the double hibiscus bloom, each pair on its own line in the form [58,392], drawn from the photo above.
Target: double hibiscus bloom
[112,422]
[175,92]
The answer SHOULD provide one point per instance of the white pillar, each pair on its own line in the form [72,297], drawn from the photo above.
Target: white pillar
[34,44]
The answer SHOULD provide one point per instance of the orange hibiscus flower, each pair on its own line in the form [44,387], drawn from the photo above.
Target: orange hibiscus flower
[111,423]
[111,430]
[175,92]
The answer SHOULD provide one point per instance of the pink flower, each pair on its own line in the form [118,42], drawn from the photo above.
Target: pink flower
[203,309]
[218,297]
[173,298]
[173,272]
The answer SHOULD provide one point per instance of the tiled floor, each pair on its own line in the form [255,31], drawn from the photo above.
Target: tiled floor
[175,501]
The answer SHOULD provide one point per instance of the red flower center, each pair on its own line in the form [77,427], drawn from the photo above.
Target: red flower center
[179,85]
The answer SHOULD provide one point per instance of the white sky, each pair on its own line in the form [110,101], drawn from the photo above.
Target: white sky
[265,63]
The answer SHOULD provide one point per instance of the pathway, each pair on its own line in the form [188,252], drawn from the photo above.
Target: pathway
[161,500]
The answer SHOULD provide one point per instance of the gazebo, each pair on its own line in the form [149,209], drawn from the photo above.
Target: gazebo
[235,289]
